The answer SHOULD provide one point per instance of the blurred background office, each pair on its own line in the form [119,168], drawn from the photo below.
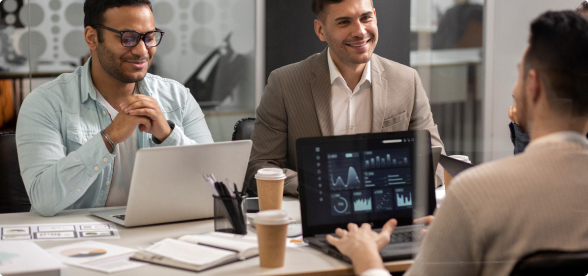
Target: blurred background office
[223,50]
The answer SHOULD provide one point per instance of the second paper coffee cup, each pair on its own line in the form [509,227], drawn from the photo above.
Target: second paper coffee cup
[272,228]
[270,188]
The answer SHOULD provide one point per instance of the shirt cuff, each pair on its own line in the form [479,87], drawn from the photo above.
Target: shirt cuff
[376,272]
[94,155]
[171,139]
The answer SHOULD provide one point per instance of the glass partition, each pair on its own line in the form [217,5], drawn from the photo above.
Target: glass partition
[446,50]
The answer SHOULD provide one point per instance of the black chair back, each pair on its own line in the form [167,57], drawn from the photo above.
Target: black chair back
[243,129]
[13,195]
[544,263]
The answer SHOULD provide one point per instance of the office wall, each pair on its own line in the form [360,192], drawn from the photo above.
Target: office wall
[506,34]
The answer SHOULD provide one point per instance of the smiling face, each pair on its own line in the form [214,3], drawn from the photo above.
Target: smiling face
[125,64]
[351,30]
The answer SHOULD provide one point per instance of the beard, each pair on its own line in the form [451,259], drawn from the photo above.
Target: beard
[112,64]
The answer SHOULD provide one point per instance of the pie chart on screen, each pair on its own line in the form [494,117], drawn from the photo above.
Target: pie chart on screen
[83,252]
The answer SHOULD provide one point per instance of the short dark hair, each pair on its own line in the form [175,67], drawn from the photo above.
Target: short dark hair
[318,6]
[583,7]
[558,51]
[94,10]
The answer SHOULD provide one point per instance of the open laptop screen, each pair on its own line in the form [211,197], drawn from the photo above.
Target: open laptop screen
[359,178]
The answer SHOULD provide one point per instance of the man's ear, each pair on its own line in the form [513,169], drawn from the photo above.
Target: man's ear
[535,87]
[91,36]
[319,29]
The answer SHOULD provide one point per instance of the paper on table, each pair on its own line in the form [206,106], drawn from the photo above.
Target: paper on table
[97,256]
[69,231]
[6,256]
[296,242]
[25,258]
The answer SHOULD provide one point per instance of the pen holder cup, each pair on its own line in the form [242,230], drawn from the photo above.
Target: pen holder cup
[230,214]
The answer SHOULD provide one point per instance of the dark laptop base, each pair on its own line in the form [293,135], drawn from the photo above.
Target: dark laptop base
[394,251]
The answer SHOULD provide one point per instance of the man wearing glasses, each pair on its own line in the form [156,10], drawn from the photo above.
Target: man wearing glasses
[77,136]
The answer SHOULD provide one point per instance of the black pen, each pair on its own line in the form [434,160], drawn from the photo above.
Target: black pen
[233,213]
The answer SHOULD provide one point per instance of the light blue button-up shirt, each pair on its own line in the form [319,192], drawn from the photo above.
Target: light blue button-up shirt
[63,160]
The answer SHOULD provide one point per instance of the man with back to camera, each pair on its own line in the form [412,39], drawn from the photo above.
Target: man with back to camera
[346,89]
[499,212]
[77,135]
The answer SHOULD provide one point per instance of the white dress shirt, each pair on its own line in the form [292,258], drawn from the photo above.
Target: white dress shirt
[352,110]
[124,161]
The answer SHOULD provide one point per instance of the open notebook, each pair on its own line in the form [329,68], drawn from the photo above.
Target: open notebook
[200,252]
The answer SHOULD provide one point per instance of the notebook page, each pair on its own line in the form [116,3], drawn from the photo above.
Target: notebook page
[189,253]
[246,247]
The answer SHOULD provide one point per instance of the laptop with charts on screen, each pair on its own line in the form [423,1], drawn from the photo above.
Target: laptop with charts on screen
[365,178]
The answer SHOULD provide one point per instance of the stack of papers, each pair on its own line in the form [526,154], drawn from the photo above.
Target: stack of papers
[27,258]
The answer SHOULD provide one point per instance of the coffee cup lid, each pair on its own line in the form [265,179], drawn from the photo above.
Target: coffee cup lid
[270,174]
[272,217]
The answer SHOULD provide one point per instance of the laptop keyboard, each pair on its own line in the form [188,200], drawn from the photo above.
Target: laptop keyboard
[399,237]
[121,217]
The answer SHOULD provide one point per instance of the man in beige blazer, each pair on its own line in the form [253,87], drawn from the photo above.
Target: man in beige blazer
[497,213]
[346,89]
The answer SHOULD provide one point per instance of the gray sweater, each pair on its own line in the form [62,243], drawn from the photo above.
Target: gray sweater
[498,212]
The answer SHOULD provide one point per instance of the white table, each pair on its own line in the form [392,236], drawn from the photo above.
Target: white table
[299,260]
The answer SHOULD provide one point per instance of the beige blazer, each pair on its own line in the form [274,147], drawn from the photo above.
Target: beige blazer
[297,103]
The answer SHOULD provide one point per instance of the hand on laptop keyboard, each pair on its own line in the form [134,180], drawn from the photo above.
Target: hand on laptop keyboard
[363,245]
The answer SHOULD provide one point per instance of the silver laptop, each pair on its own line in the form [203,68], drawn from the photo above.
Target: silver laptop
[167,183]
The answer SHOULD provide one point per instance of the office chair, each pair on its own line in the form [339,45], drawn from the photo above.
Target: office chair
[243,129]
[550,262]
[13,195]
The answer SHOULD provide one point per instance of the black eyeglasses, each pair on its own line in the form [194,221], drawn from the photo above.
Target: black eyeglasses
[132,38]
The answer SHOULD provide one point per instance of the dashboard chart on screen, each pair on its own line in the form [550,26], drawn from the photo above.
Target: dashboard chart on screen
[369,177]
[365,181]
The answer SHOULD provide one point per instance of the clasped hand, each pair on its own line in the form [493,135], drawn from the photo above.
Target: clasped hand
[139,110]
